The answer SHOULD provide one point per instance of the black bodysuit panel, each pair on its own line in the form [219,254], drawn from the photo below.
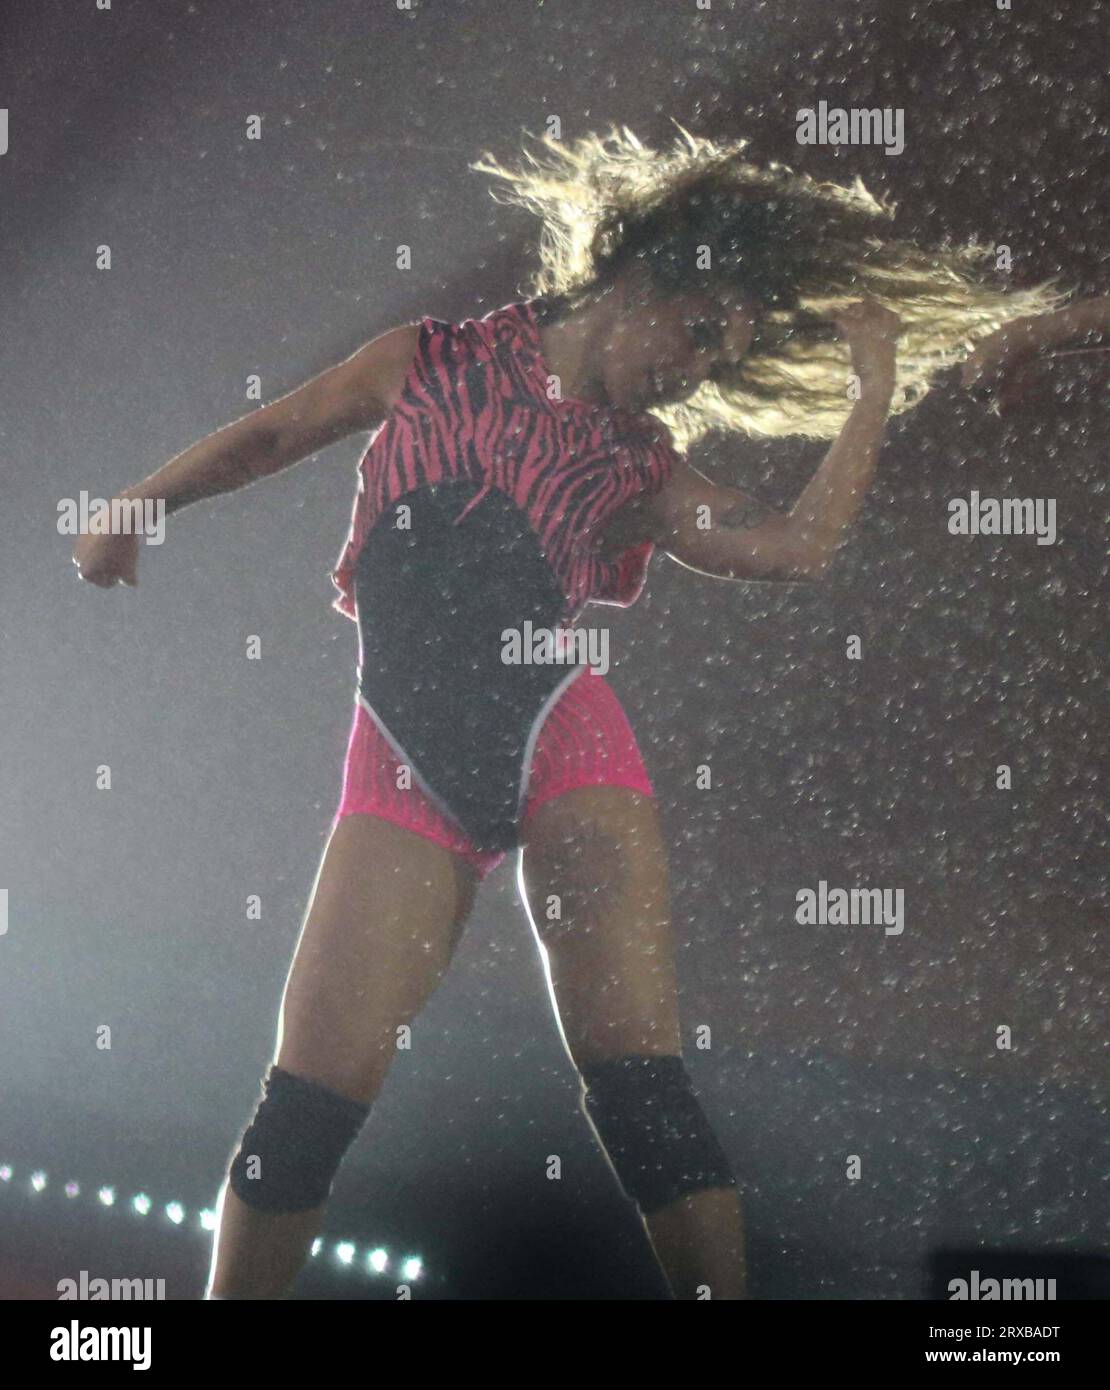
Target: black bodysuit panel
[435,592]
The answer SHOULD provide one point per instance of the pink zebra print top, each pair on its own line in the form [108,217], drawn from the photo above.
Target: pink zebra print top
[474,407]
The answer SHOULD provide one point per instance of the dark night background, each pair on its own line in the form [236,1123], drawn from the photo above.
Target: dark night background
[231,257]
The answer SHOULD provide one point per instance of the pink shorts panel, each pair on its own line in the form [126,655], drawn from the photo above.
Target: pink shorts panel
[586,741]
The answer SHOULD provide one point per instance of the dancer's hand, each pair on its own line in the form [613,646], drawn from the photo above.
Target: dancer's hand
[107,560]
[1003,365]
[871,331]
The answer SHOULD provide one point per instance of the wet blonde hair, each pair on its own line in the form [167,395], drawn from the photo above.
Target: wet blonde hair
[798,249]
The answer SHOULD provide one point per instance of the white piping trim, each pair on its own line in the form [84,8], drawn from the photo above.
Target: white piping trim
[403,757]
[526,764]
[537,725]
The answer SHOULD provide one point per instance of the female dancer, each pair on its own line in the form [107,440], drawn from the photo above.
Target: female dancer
[523,465]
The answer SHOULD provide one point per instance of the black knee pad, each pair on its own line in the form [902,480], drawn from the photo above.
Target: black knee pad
[291,1150]
[653,1129]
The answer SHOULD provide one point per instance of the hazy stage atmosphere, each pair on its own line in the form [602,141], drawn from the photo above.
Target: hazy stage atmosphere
[961,1058]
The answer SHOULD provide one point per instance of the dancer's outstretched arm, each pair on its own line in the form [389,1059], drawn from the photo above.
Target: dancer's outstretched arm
[723,532]
[346,399]
[994,368]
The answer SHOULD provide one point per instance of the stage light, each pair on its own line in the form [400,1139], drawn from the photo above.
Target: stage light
[347,1252]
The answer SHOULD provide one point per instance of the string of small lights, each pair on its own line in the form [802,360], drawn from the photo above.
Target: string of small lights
[376,1260]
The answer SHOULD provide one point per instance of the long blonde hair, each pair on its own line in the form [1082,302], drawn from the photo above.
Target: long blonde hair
[699,216]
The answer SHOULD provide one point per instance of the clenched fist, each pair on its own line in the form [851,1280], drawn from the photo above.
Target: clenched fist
[871,331]
[107,560]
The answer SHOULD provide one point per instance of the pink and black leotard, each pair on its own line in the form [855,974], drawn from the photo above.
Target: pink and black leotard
[481,502]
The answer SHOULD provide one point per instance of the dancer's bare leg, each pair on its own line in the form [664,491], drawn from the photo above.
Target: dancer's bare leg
[612,970]
[387,911]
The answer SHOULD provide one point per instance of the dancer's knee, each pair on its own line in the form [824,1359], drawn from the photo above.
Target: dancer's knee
[653,1128]
[291,1151]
